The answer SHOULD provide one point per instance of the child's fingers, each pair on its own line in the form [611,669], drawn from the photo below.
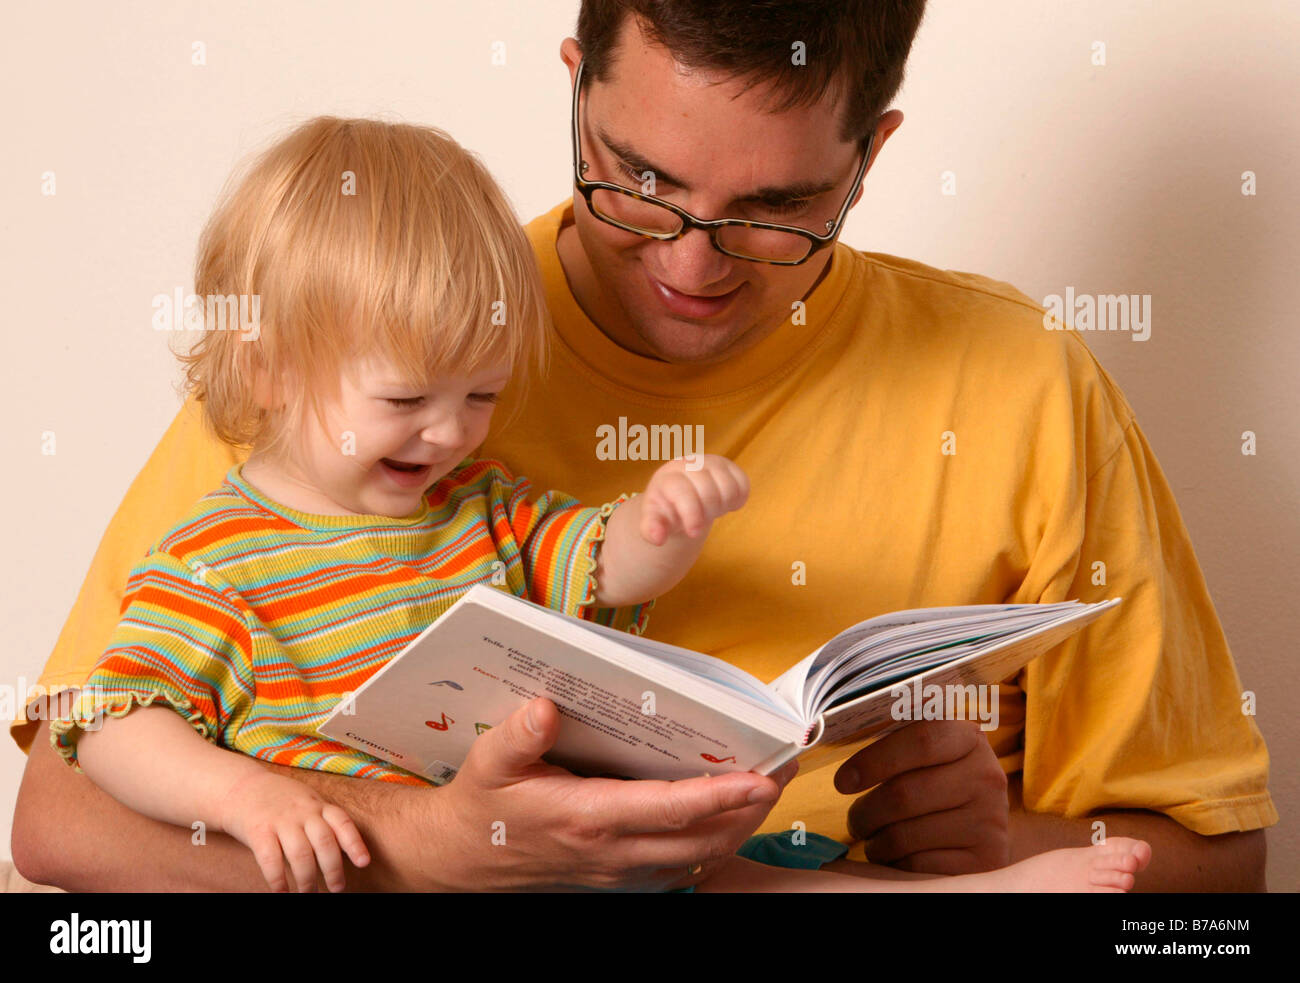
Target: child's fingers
[685,499]
[269,857]
[723,486]
[302,858]
[328,858]
[709,490]
[658,520]
[349,836]
[735,485]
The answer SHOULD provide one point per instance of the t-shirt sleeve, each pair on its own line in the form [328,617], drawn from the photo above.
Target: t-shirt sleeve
[558,542]
[1143,708]
[182,642]
[188,462]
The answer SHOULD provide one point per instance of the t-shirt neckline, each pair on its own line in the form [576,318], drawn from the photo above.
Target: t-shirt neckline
[318,522]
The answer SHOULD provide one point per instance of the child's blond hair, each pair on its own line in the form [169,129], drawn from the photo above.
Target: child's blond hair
[360,238]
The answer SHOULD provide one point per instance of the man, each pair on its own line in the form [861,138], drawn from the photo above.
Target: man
[913,437]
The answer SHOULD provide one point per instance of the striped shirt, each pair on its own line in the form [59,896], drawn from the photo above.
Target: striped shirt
[253,620]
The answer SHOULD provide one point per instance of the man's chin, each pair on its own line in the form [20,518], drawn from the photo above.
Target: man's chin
[687,343]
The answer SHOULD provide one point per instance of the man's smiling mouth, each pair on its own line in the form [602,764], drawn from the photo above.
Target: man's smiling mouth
[691,305]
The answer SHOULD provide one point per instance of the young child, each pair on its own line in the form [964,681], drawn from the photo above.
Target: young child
[394,294]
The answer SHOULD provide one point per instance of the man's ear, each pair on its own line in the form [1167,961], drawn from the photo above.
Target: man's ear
[885,128]
[570,54]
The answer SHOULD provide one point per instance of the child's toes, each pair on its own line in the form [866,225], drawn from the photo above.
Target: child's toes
[1142,851]
[1107,877]
[1127,853]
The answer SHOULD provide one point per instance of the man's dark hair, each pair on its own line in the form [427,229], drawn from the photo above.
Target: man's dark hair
[861,44]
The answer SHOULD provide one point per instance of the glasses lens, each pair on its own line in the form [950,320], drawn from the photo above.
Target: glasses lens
[763,244]
[634,214]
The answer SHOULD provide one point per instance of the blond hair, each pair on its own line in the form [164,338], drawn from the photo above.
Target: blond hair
[360,238]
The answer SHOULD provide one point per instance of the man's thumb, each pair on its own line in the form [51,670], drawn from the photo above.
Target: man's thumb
[520,741]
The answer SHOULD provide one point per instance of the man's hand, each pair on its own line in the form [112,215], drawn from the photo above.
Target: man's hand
[510,821]
[940,805]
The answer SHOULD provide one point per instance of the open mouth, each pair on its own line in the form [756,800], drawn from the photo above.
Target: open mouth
[406,473]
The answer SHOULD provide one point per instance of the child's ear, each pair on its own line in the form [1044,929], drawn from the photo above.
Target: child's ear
[263,392]
[266,393]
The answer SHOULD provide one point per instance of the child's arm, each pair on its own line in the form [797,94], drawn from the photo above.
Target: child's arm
[652,539]
[152,761]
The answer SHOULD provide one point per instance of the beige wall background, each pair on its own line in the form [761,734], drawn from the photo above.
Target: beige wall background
[1117,178]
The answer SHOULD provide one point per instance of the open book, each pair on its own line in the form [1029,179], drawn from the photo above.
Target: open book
[631,707]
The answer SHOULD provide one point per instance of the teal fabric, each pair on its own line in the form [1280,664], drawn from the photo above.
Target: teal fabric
[781,850]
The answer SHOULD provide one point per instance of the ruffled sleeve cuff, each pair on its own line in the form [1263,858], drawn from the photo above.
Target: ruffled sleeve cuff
[631,619]
[91,709]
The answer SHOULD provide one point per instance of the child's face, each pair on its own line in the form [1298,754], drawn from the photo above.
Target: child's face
[378,422]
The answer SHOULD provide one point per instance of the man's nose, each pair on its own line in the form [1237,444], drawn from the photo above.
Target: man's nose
[692,265]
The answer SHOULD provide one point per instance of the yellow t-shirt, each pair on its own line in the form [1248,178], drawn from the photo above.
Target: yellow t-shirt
[921,440]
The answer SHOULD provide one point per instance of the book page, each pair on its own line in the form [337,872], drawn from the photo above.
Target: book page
[848,726]
[795,686]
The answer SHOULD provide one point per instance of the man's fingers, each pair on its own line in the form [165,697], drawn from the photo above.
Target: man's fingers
[784,775]
[918,745]
[709,842]
[668,807]
[887,844]
[906,796]
[511,751]
[947,862]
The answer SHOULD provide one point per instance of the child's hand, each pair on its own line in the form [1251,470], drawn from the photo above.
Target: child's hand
[276,817]
[686,495]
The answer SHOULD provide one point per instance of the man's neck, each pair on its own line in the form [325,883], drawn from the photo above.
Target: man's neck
[585,287]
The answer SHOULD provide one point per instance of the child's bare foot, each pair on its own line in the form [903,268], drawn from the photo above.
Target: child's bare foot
[1107,867]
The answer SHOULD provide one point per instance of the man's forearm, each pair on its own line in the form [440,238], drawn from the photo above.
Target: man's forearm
[1180,859]
[70,833]
[388,816]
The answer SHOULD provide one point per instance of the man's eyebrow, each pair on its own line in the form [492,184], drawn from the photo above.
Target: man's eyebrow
[767,195]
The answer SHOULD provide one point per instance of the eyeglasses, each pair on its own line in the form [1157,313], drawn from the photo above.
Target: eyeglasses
[654,218]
